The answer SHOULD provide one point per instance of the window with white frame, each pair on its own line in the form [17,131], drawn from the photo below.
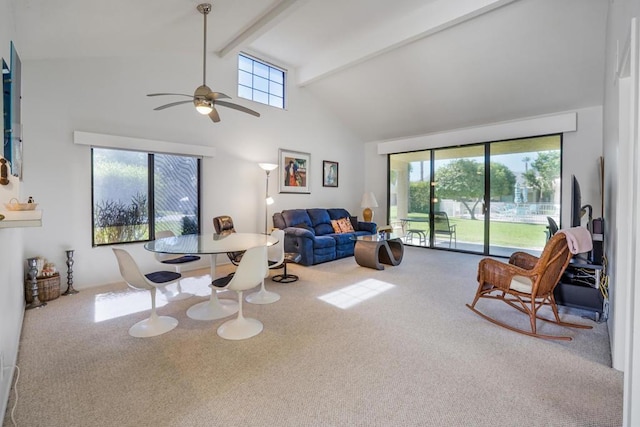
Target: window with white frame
[260,82]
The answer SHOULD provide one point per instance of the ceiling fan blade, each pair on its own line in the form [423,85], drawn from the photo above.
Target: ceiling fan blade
[216,95]
[214,115]
[238,107]
[162,94]
[173,104]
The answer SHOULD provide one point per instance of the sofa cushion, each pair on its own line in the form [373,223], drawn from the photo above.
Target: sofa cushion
[343,238]
[305,227]
[319,216]
[324,242]
[320,221]
[293,217]
[323,229]
[337,213]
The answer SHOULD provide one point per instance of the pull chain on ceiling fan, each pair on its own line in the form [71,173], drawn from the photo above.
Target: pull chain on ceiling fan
[204,99]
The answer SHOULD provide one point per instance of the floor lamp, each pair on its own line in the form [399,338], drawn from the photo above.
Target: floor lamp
[267,167]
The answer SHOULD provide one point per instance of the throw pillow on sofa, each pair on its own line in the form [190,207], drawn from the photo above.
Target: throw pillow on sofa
[345,225]
[354,222]
[342,225]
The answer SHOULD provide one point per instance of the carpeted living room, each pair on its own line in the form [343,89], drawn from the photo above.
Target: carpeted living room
[246,110]
[409,353]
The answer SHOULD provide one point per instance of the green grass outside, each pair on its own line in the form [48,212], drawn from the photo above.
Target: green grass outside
[134,233]
[501,233]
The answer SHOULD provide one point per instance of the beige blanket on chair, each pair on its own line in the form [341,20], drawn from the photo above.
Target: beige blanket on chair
[578,239]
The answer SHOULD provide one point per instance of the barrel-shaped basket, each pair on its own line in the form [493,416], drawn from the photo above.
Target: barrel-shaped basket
[48,288]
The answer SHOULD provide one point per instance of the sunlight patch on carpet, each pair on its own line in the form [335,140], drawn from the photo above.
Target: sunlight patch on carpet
[354,294]
[117,304]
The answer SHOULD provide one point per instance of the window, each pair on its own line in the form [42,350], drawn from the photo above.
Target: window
[497,196]
[131,187]
[260,82]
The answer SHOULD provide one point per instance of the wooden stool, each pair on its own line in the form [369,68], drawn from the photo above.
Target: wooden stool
[285,277]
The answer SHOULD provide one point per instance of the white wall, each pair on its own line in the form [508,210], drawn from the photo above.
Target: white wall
[11,251]
[108,96]
[582,148]
[581,152]
[621,242]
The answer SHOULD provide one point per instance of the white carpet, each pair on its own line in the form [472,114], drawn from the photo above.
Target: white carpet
[412,355]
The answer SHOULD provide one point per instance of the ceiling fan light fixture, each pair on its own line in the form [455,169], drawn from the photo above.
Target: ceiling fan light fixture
[203,106]
[204,99]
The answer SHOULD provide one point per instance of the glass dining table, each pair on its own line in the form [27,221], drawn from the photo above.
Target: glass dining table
[210,244]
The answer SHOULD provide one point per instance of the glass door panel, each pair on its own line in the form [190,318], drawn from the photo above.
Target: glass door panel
[458,220]
[409,194]
[525,190]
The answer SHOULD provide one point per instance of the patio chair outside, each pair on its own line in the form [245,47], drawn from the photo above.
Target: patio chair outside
[442,226]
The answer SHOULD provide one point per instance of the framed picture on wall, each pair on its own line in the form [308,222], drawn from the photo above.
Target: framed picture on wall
[294,171]
[329,173]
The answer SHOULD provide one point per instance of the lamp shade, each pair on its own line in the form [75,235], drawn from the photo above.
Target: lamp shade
[369,200]
[268,166]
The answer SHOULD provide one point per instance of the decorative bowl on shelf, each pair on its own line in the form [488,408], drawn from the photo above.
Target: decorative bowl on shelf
[14,205]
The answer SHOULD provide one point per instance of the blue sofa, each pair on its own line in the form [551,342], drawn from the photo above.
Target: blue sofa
[309,232]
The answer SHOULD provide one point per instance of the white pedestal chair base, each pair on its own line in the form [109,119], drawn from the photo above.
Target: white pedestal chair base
[263,296]
[175,294]
[240,328]
[154,325]
[213,309]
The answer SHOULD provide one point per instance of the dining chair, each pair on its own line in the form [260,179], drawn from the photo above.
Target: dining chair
[275,259]
[224,224]
[154,324]
[176,261]
[250,273]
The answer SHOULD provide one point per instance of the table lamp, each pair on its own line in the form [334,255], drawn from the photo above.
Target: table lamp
[368,201]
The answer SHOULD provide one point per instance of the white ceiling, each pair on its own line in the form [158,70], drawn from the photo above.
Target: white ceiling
[387,69]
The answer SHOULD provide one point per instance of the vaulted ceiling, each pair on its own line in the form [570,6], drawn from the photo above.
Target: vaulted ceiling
[387,69]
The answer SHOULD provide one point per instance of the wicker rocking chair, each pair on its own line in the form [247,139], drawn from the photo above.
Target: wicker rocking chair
[526,283]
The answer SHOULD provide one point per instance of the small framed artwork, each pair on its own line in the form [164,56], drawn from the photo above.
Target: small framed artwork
[294,171]
[329,173]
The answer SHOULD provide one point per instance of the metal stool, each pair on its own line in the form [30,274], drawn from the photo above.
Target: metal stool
[285,277]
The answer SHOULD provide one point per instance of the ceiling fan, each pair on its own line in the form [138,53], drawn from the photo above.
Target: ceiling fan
[204,98]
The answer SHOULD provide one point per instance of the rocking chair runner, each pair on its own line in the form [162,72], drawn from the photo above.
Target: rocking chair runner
[526,283]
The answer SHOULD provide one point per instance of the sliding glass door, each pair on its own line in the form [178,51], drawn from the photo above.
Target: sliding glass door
[525,190]
[410,195]
[459,198]
[490,198]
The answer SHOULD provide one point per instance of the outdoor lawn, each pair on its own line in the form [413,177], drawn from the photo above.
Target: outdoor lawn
[510,234]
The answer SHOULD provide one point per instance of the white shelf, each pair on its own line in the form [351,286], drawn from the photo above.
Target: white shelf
[15,219]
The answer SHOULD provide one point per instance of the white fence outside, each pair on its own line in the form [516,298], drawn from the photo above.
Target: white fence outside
[528,213]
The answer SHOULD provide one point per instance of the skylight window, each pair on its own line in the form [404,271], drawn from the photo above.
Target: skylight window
[260,82]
